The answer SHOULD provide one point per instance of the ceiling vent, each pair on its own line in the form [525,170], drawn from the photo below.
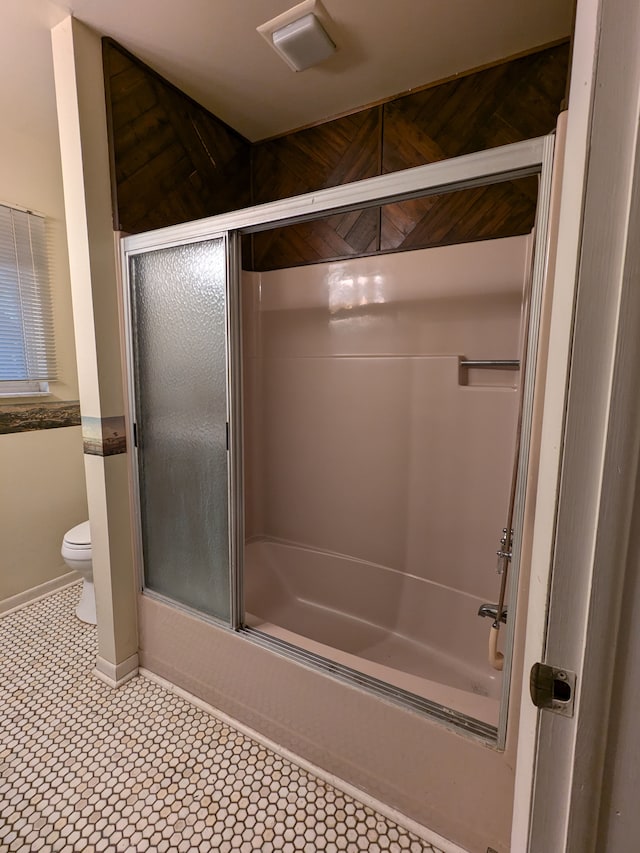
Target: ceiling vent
[300,35]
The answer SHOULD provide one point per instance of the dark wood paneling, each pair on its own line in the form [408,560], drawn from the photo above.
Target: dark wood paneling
[337,152]
[172,161]
[500,210]
[343,236]
[508,103]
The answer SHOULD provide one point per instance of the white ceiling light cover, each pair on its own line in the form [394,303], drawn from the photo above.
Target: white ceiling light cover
[303,42]
[302,36]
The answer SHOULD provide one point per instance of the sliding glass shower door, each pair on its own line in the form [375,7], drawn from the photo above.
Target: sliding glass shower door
[264,400]
[179,332]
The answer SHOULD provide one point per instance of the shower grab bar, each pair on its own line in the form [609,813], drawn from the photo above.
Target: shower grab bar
[500,363]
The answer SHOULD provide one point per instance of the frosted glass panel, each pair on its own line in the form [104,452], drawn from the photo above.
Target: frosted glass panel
[179,323]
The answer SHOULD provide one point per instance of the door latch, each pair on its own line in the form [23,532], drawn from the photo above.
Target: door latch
[552,688]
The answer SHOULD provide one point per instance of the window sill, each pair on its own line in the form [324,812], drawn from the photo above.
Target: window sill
[28,388]
[22,394]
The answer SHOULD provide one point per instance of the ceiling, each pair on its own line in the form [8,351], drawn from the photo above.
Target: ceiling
[211,50]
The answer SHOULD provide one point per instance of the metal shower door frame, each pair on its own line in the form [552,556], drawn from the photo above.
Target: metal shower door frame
[506,163]
[126,254]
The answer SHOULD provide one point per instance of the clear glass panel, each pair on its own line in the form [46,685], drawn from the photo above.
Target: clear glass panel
[381,400]
[179,309]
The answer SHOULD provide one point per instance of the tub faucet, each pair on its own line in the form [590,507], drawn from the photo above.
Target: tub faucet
[492,610]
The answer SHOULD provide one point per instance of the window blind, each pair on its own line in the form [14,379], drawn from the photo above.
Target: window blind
[26,323]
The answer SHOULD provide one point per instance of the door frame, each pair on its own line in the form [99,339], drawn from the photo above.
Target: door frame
[591,437]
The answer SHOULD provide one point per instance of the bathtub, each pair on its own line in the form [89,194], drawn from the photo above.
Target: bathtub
[416,635]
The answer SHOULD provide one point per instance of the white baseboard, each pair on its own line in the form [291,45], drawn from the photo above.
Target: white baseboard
[397,817]
[115,675]
[15,602]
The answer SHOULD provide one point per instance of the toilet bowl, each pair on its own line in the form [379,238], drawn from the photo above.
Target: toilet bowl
[76,552]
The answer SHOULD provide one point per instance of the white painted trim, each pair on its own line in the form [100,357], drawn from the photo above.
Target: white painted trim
[366,799]
[601,449]
[115,675]
[555,391]
[601,436]
[29,596]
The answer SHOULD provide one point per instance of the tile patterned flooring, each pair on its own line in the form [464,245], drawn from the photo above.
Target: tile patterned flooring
[87,768]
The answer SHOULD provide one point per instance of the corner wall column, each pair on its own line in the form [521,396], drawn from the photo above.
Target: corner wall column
[77,60]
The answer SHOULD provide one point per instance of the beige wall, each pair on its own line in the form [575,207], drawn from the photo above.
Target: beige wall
[41,496]
[42,490]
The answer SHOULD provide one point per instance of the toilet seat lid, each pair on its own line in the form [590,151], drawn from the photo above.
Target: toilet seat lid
[79,535]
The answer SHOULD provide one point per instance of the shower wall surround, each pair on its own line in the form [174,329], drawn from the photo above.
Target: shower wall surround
[363,437]
[378,469]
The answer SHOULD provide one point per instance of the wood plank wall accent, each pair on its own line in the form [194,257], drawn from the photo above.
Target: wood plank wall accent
[507,103]
[172,160]
[337,152]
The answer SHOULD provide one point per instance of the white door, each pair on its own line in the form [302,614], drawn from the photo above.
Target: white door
[589,452]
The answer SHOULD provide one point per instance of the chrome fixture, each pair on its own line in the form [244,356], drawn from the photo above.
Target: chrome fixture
[492,610]
[505,551]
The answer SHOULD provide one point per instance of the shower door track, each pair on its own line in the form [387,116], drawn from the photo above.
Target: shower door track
[450,718]
[497,165]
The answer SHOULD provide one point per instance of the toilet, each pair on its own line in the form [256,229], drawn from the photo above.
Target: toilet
[76,552]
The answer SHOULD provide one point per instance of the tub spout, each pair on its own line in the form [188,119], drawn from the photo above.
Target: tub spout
[492,611]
